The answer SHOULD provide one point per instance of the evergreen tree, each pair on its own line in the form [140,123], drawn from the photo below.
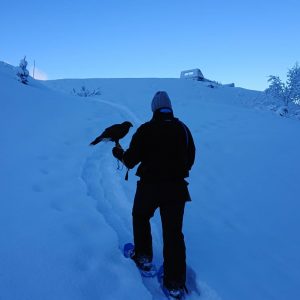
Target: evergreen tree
[23,73]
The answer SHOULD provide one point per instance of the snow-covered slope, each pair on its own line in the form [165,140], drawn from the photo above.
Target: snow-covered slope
[65,209]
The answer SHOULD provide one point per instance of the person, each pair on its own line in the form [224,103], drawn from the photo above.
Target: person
[165,149]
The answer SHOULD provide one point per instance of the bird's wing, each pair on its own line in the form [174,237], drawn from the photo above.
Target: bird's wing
[111,131]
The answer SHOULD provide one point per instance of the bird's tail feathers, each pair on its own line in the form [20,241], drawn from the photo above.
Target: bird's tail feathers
[96,141]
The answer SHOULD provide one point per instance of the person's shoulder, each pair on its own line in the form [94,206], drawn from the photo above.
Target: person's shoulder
[142,128]
[144,125]
[180,122]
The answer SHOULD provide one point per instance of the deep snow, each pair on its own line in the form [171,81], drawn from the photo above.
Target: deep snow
[65,209]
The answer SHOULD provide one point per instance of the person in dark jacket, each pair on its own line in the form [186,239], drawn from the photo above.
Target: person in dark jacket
[165,149]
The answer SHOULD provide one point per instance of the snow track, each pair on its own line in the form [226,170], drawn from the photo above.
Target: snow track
[105,188]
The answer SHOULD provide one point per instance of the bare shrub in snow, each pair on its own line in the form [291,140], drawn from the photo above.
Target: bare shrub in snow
[85,92]
[282,111]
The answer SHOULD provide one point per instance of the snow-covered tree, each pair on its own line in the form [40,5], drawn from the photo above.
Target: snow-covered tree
[23,73]
[286,92]
[276,88]
[293,84]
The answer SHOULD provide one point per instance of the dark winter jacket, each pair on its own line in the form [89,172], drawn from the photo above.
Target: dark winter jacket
[165,148]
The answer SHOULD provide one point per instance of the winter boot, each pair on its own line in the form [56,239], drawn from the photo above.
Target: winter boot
[174,292]
[145,265]
[171,290]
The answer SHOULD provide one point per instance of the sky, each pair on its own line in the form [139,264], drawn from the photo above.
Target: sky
[230,41]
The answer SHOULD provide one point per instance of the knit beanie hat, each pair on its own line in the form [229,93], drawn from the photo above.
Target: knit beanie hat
[161,100]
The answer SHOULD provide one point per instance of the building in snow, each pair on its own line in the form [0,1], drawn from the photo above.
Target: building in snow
[194,74]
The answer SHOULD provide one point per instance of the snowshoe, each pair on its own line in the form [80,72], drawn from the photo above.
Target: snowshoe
[128,250]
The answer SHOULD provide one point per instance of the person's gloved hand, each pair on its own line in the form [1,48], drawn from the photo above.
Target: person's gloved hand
[118,153]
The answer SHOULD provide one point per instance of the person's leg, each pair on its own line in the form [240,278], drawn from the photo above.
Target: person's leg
[174,245]
[143,210]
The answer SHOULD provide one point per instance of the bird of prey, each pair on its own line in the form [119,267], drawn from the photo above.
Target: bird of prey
[113,133]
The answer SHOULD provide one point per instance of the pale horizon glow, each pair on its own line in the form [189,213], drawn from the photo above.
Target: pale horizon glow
[38,74]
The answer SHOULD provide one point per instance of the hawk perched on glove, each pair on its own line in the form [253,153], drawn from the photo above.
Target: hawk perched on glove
[113,133]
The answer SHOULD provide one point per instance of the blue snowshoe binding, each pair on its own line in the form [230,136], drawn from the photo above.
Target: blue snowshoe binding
[144,264]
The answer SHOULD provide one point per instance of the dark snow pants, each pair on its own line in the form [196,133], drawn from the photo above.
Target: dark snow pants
[170,197]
